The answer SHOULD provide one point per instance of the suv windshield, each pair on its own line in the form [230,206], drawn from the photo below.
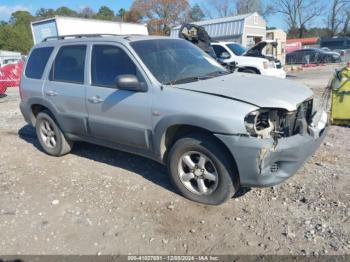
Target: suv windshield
[174,61]
[237,49]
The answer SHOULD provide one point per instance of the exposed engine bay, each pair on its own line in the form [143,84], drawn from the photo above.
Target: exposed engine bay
[257,51]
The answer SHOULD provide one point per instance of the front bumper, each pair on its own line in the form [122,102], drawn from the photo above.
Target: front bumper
[275,72]
[260,163]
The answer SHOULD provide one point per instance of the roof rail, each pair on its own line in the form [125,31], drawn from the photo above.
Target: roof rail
[62,37]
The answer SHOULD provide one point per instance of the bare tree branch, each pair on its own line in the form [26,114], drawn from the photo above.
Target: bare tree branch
[220,8]
[161,14]
[298,13]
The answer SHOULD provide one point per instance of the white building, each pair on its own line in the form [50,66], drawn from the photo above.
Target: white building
[280,37]
[247,29]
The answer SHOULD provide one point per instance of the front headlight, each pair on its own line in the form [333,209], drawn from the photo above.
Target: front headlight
[269,64]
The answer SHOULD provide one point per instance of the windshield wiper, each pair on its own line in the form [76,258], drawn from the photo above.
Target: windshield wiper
[216,73]
[184,80]
[197,78]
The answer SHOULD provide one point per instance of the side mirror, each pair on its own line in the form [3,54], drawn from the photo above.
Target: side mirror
[129,82]
[225,55]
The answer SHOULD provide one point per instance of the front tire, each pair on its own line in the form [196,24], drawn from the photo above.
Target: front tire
[50,136]
[201,171]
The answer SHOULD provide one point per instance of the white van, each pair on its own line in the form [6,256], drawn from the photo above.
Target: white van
[249,61]
[64,26]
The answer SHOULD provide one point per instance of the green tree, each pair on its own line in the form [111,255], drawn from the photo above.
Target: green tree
[196,13]
[105,13]
[21,18]
[45,13]
[121,14]
[86,12]
[161,14]
[65,11]
[17,34]
[15,38]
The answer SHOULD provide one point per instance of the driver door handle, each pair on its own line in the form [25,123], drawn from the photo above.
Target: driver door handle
[96,100]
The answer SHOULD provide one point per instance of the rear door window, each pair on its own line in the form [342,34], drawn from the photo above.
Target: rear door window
[108,62]
[69,64]
[37,62]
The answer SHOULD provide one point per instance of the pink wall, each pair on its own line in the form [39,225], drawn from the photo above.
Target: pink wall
[293,47]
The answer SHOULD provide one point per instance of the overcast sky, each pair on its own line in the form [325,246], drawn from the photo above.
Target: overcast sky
[9,6]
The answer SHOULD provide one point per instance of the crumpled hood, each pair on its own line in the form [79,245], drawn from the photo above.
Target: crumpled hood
[261,91]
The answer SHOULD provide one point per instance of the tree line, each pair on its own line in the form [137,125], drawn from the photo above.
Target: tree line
[161,15]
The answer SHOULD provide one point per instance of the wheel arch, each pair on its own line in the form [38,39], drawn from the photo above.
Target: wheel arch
[175,132]
[37,105]
[168,132]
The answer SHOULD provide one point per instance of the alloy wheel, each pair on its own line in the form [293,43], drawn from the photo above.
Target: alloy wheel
[48,134]
[198,173]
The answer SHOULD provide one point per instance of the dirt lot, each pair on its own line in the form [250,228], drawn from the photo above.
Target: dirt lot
[101,201]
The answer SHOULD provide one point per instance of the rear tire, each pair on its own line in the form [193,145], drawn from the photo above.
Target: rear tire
[213,182]
[50,136]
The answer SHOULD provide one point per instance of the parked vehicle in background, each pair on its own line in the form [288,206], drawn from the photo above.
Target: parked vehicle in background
[312,56]
[168,100]
[336,51]
[10,75]
[9,57]
[335,43]
[248,61]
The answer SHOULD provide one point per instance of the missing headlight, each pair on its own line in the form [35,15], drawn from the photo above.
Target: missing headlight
[270,123]
[278,123]
[259,124]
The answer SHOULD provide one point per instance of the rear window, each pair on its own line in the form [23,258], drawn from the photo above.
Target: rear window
[69,65]
[37,62]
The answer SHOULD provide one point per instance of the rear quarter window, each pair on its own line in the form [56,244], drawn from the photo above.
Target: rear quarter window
[37,62]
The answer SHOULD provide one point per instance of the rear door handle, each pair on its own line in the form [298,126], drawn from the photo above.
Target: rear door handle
[95,100]
[51,93]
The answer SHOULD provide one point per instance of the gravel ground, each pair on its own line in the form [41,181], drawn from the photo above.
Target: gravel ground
[101,201]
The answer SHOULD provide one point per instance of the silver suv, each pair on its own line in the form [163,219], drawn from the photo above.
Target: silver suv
[165,99]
